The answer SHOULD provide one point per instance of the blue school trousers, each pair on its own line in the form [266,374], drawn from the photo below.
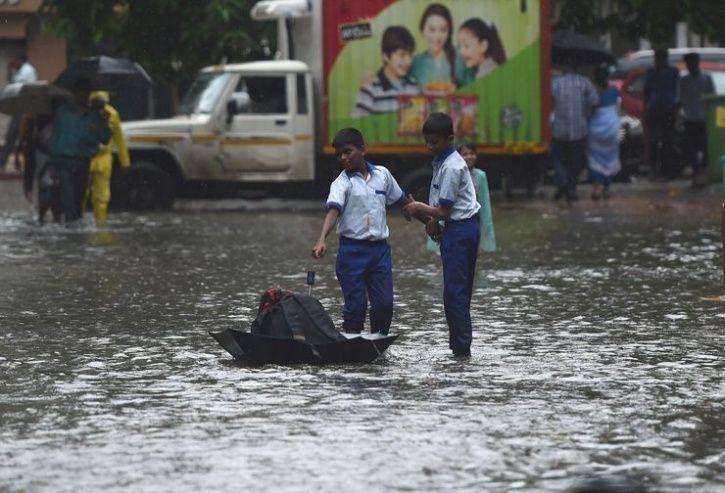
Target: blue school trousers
[459,249]
[365,270]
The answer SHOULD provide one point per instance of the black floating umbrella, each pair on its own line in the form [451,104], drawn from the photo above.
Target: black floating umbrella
[29,97]
[574,49]
[264,349]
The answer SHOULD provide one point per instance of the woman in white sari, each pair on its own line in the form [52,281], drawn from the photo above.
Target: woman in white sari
[603,140]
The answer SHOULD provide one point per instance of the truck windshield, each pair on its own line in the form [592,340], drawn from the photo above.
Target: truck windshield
[204,93]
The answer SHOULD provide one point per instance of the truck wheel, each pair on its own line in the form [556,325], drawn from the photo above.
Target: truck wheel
[148,187]
[417,183]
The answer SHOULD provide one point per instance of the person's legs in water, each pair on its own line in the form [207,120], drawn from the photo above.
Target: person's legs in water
[350,267]
[559,156]
[99,193]
[459,249]
[380,289]
[654,133]
[73,175]
[577,156]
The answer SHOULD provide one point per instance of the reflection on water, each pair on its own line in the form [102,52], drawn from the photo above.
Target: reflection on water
[593,354]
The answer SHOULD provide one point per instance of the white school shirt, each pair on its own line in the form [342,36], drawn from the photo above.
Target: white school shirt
[452,186]
[362,202]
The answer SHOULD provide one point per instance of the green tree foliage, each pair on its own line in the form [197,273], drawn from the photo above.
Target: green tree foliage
[171,39]
[651,19]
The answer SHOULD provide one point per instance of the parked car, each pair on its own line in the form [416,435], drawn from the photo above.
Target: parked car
[629,76]
[630,73]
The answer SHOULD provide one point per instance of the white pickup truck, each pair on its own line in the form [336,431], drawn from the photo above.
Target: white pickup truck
[250,122]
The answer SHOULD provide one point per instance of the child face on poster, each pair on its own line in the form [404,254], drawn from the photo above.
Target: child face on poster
[437,32]
[472,49]
[480,43]
[397,63]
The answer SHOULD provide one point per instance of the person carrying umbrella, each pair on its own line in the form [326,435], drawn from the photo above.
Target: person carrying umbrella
[99,183]
[78,130]
[24,73]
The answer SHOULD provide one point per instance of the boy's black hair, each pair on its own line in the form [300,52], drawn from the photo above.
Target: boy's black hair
[397,38]
[691,57]
[348,136]
[438,124]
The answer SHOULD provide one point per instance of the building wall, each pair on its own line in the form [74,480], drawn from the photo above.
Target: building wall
[20,32]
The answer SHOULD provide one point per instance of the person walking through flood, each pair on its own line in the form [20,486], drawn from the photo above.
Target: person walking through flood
[99,183]
[693,86]
[573,98]
[24,72]
[40,180]
[603,141]
[78,130]
[452,200]
[357,205]
[661,98]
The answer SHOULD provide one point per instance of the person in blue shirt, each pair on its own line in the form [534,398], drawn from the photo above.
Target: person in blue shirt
[452,200]
[78,131]
[661,100]
[357,205]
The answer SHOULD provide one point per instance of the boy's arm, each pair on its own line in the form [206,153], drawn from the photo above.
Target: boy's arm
[320,248]
[425,213]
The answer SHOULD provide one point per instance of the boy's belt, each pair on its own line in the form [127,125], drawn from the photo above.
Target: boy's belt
[353,241]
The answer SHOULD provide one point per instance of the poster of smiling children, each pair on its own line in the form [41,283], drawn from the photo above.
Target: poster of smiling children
[392,63]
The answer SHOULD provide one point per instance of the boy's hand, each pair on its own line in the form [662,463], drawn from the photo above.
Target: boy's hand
[411,208]
[320,248]
[433,229]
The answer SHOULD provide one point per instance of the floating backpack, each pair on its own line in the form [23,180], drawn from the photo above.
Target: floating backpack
[286,315]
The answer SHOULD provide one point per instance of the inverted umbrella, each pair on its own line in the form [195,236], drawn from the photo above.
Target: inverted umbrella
[264,349]
[574,49]
[29,97]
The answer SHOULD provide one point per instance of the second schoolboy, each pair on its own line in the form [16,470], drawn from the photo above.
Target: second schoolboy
[380,95]
[453,201]
[357,204]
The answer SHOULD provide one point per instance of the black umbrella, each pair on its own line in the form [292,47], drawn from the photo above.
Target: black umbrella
[129,84]
[264,349]
[574,49]
[100,69]
[30,97]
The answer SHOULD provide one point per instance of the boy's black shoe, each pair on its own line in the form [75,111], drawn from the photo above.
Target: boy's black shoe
[462,354]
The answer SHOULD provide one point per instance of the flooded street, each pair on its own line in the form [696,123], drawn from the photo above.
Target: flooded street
[594,353]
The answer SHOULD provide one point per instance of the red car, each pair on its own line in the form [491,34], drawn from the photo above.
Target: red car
[629,77]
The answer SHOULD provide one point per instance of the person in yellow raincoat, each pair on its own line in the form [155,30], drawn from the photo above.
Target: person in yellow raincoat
[99,181]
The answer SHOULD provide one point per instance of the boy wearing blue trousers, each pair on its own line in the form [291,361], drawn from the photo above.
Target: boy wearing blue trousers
[452,202]
[356,204]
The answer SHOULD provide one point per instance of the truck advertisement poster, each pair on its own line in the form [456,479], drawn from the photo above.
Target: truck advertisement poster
[389,64]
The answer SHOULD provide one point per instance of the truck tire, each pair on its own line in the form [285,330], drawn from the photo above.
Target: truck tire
[148,187]
[417,183]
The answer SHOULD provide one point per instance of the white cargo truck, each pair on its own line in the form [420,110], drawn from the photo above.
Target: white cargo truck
[266,124]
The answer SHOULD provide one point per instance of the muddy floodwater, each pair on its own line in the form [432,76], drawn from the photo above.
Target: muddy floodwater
[595,353]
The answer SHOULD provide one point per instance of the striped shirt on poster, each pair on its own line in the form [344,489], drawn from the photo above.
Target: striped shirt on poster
[381,95]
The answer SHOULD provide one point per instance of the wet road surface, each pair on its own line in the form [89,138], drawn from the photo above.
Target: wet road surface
[594,353]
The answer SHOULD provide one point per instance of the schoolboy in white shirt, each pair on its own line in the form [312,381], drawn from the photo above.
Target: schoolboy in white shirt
[453,201]
[357,205]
